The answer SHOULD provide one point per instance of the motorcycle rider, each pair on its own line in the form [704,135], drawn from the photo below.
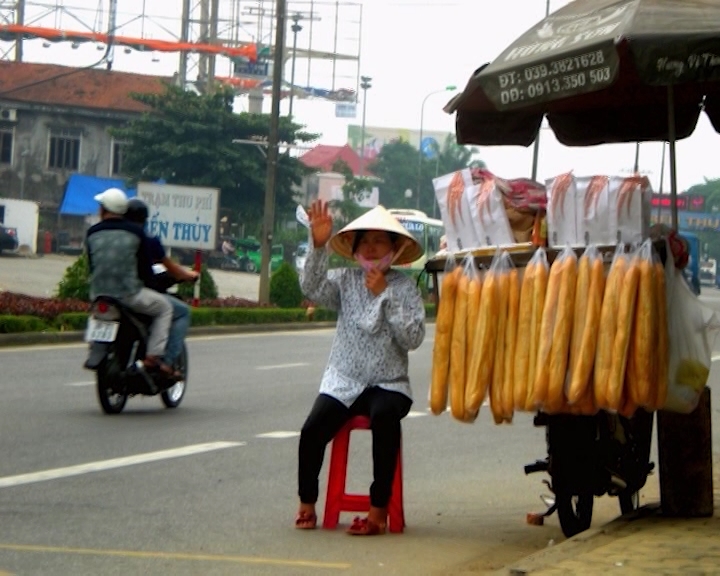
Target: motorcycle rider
[118,257]
[138,213]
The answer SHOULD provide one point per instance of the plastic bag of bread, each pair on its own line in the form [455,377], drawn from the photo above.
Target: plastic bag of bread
[486,335]
[439,381]
[555,331]
[467,304]
[532,300]
[617,318]
[645,353]
[589,291]
[693,327]
[501,392]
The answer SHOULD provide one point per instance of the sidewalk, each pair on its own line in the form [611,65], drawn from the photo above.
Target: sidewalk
[644,542]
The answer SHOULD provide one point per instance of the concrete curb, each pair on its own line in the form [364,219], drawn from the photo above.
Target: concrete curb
[34,338]
[582,543]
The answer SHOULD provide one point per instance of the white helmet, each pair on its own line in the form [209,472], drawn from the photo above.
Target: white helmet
[113,200]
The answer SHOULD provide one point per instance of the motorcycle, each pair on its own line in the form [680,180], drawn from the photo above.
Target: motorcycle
[592,456]
[117,338]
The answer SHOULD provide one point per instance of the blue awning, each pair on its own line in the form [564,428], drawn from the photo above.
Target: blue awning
[80,192]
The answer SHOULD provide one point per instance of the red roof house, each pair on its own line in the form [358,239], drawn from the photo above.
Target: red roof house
[324,157]
[88,88]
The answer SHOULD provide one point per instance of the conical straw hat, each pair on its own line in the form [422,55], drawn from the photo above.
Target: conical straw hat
[376,219]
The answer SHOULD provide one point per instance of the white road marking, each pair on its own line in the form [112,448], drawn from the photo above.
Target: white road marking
[80,384]
[715,358]
[414,414]
[101,465]
[279,434]
[279,366]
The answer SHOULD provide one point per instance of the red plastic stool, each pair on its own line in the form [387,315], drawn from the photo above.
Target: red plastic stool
[338,501]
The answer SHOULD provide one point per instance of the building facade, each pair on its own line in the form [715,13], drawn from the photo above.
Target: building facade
[55,121]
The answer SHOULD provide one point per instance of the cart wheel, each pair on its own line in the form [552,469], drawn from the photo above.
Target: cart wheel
[575,512]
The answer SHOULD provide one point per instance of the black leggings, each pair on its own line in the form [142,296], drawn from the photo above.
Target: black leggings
[328,415]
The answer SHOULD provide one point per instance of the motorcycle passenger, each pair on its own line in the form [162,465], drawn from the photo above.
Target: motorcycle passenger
[137,212]
[118,258]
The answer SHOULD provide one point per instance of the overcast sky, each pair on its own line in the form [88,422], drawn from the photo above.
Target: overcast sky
[410,48]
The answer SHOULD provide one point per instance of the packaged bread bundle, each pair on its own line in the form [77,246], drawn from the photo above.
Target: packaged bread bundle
[484,342]
[443,337]
[531,304]
[452,199]
[616,324]
[466,304]
[589,291]
[555,330]
[499,396]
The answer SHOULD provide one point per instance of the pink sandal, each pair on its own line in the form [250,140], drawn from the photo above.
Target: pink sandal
[305,521]
[365,527]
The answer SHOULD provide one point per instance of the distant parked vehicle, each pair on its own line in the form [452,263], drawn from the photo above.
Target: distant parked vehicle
[8,239]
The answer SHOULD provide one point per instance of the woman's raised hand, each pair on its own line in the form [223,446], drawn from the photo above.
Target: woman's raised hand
[321,223]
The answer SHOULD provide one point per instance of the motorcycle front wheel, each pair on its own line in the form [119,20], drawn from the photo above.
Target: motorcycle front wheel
[574,511]
[112,402]
[174,395]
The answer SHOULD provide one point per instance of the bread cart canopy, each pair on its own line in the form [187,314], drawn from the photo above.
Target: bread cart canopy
[601,71]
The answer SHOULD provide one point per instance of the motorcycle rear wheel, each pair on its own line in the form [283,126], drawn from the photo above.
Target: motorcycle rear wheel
[111,402]
[174,395]
[575,512]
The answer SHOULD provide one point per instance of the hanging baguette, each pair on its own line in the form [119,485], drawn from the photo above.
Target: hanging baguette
[625,319]
[524,334]
[562,330]
[588,305]
[645,332]
[483,357]
[498,373]
[443,336]
[474,292]
[608,325]
[511,350]
[540,288]
[547,326]
[458,349]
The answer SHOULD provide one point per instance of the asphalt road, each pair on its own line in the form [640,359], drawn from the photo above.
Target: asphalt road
[210,487]
[219,498]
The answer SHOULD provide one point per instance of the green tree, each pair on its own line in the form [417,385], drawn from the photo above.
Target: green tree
[188,139]
[398,165]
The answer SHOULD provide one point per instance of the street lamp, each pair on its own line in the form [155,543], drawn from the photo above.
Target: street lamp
[295,29]
[420,151]
[365,84]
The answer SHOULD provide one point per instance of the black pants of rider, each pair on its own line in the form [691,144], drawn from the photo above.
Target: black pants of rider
[384,408]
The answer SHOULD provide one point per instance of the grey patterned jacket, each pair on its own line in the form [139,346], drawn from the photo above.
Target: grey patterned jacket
[374,333]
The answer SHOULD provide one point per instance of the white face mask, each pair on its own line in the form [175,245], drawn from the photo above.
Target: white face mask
[381,264]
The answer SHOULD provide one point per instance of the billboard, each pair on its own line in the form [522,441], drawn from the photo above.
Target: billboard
[690,221]
[182,216]
[376,138]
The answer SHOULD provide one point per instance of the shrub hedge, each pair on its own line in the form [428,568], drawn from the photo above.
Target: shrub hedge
[76,321]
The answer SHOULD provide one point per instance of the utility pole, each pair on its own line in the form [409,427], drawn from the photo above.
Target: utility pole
[536,147]
[184,34]
[366,84]
[272,155]
[19,19]
[112,24]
